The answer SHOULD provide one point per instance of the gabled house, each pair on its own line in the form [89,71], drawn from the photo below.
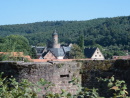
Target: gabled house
[53,50]
[39,51]
[56,53]
[93,53]
[48,55]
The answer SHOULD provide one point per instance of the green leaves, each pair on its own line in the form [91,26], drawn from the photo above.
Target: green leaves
[76,52]
[15,43]
[10,88]
[118,87]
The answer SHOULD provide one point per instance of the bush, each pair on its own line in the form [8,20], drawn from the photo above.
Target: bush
[10,88]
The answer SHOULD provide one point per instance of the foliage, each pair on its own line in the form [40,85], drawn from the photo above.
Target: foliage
[12,89]
[4,57]
[81,42]
[8,56]
[15,43]
[118,88]
[113,34]
[63,94]
[112,88]
[33,53]
[89,93]
[76,52]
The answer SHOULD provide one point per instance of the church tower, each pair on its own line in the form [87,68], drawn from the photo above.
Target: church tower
[55,40]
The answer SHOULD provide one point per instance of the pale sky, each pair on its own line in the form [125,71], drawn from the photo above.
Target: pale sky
[29,11]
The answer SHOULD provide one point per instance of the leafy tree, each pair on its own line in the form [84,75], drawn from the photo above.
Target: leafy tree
[33,50]
[76,52]
[10,88]
[103,31]
[15,43]
[81,43]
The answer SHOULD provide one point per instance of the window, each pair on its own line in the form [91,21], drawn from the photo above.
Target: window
[99,55]
[97,52]
[95,55]
[62,76]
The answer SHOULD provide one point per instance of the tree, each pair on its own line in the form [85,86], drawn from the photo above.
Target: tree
[76,52]
[15,43]
[81,42]
[34,54]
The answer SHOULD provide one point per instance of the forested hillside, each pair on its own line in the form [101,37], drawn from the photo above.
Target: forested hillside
[113,34]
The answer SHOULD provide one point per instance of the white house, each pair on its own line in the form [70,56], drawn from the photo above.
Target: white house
[93,53]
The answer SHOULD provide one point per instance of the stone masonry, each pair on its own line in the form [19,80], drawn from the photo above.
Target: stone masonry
[58,73]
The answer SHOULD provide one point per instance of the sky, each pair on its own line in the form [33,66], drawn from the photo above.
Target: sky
[29,11]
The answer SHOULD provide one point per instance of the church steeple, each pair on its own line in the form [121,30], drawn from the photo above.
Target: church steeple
[55,40]
[54,33]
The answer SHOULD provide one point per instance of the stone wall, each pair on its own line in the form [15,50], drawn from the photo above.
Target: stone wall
[105,69]
[58,73]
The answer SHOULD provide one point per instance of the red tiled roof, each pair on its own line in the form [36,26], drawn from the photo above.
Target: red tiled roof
[20,54]
[121,57]
[16,54]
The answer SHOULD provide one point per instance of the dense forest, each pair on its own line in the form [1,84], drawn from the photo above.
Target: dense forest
[111,35]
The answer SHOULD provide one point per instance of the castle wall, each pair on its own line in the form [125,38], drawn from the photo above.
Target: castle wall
[60,73]
[105,69]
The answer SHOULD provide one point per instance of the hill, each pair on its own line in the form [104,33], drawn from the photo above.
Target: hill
[110,33]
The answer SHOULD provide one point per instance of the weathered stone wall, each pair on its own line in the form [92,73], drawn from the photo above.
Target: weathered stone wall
[58,73]
[105,69]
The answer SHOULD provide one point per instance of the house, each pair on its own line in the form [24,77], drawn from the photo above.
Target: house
[60,53]
[93,53]
[53,50]
[56,53]
[48,55]
[121,57]
[39,51]
[125,57]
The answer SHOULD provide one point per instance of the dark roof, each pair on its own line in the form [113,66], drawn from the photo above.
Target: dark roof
[66,49]
[54,33]
[89,52]
[40,49]
[44,53]
[57,51]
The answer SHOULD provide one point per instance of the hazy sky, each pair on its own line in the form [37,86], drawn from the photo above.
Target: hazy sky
[28,11]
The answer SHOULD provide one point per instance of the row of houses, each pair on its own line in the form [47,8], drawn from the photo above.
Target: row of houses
[57,51]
